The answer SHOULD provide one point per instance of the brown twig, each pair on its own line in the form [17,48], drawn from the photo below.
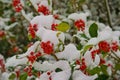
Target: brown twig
[55,57]
[108,13]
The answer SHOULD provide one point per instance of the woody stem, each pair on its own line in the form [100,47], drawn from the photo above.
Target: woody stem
[56,58]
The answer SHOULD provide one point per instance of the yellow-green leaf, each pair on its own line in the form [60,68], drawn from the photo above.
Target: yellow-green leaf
[63,27]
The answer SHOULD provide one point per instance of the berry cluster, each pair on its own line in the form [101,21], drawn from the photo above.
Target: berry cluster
[80,25]
[17,5]
[82,64]
[53,27]
[32,30]
[32,57]
[47,47]
[114,46]
[43,9]
[94,52]
[28,70]
[106,47]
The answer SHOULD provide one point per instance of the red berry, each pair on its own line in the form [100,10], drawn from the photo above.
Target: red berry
[29,73]
[2,33]
[38,74]
[102,61]
[78,62]
[2,65]
[26,69]
[56,16]
[50,78]
[38,54]
[93,53]
[31,31]
[32,53]
[35,27]
[48,73]
[15,49]
[17,73]
[30,44]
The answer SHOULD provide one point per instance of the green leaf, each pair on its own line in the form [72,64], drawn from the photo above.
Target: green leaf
[49,2]
[10,68]
[23,76]
[12,76]
[104,69]
[84,36]
[87,47]
[58,70]
[104,54]
[93,30]
[95,70]
[102,77]
[79,46]
[64,26]
[117,67]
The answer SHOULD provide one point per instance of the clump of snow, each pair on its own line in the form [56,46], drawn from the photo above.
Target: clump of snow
[62,75]
[32,48]
[13,61]
[43,21]
[105,34]
[89,61]
[78,75]
[46,3]
[51,66]
[70,53]
[78,16]
[5,76]
[49,35]
[92,41]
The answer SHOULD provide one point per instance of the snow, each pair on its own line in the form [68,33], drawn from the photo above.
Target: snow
[78,75]
[64,65]
[63,75]
[70,53]
[5,76]
[13,61]
[92,41]
[77,16]
[32,48]
[49,35]
[89,61]
[43,21]
[105,34]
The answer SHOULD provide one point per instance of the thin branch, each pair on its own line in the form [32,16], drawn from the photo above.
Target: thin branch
[117,22]
[108,13]
[116,56]
[25,16]
[55,57]
[34,5]
[113,57]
